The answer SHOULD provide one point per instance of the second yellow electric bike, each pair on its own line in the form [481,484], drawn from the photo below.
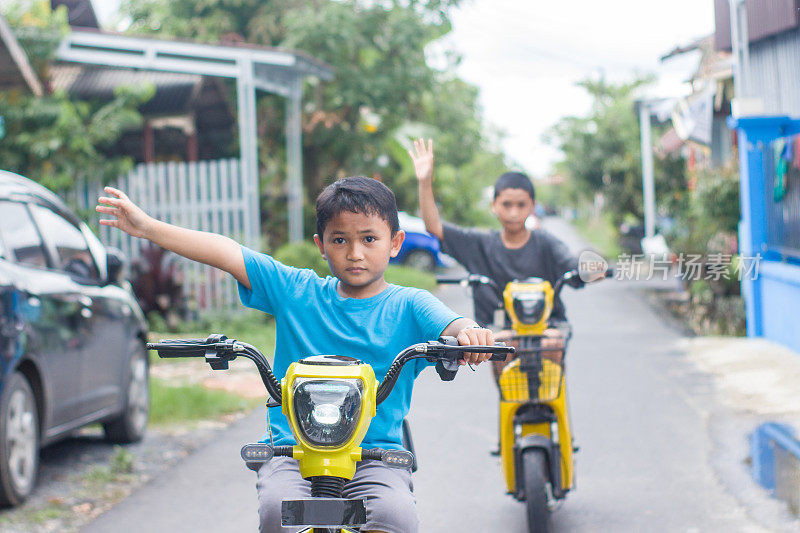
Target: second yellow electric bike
[536,447]
[329,401]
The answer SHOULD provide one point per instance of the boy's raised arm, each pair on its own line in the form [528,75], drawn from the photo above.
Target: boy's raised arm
[422,156]
[209,248]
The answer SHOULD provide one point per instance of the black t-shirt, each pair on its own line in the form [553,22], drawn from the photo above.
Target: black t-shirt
[483,252]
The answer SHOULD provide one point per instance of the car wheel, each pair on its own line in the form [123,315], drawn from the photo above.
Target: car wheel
[420,259]
[131,423]
[19,440]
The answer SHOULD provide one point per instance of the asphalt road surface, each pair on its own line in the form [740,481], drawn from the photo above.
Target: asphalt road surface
[639,412]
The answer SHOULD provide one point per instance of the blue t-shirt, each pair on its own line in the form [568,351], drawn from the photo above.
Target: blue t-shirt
[311,318]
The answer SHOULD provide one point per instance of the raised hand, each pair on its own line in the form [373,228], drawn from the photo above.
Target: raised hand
[422,157]
[129,217]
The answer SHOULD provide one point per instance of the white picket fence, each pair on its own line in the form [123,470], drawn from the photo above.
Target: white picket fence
[203,195]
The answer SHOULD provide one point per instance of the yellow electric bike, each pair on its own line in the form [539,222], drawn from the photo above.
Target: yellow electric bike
[536,446]
[329,401]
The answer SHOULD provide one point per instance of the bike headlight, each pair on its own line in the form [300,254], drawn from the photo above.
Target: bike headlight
[529,306]
[327,410]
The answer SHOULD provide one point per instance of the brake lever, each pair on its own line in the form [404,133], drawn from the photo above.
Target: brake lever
[220,351]
[447,368]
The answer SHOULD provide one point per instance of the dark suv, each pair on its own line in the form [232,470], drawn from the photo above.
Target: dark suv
[71,334]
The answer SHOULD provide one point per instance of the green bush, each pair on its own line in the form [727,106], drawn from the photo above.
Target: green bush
[711,212]
[601,233]
[410,277]
[122,461]
[303,254]
[250,326]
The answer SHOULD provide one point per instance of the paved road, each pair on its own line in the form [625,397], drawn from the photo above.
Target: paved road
[640,414]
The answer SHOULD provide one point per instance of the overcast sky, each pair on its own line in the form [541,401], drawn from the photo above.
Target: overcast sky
[526,55]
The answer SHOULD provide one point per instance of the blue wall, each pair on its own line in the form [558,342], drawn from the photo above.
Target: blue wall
[772,299]
[780,303]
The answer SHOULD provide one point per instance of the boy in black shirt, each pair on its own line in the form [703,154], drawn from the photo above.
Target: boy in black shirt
[513,253]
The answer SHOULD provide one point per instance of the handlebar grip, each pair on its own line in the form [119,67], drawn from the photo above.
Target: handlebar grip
[499,348]
[449,280]
[179,348]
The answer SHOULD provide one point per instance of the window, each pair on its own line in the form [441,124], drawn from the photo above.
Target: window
[71,248]
[20,235]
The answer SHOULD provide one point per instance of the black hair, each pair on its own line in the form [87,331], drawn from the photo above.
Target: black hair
[357,195]
[514,180]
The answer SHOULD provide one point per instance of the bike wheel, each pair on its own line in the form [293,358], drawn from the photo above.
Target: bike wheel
[536,478]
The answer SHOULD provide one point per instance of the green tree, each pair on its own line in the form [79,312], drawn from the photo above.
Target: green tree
[53,139]
[602,153]
[384,91]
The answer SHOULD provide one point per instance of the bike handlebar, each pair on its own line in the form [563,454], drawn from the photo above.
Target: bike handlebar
[478,279]
[219,350]
[470,279]
[446,353]
[168,348]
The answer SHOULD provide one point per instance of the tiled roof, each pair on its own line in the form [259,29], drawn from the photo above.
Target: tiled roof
[173,95]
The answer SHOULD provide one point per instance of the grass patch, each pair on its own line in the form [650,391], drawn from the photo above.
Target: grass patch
[410,277]
[188,403]
[21,518]
[601,233]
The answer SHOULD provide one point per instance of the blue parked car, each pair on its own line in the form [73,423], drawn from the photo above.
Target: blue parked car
[420,249]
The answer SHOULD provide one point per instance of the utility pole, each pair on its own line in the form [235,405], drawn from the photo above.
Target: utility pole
[739,47]
[648,182]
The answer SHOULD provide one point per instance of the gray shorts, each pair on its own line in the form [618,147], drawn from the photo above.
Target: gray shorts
[390,502]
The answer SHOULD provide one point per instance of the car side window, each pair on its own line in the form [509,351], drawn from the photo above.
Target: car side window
[20,235]
[71,248]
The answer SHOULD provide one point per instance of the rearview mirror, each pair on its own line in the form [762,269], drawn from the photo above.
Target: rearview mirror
[592,267]
[116,265]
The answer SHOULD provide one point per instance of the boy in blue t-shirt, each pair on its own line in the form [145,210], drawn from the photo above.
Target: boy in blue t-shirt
[355,313]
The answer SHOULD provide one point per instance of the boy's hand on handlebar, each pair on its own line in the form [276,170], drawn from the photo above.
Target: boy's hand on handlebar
[422,157]
[473,335]
[552,338]
[129,217]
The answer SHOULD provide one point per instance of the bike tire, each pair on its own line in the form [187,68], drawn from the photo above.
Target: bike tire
[535,478]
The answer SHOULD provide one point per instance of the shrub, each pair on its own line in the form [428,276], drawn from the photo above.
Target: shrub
[410,277]
[122,461]
[248,325]
[712,212]
[303,254]
[158,285]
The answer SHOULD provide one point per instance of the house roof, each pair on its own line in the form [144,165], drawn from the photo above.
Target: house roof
[15,70]
[714,64]
[271,67]
[174,91]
